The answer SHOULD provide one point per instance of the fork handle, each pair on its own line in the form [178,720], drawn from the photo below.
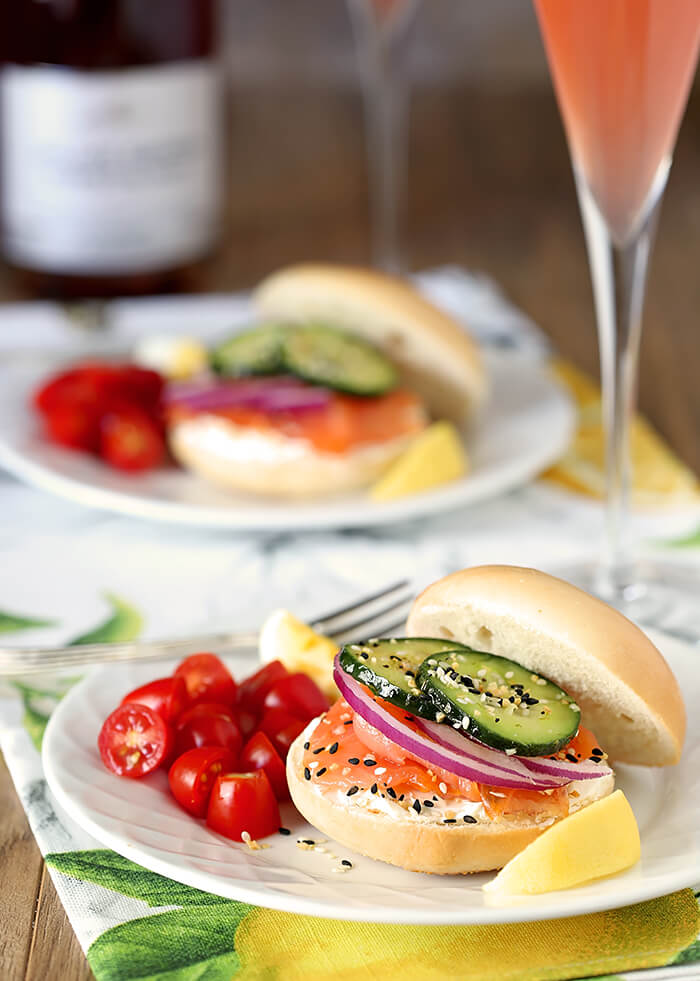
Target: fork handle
[15,662]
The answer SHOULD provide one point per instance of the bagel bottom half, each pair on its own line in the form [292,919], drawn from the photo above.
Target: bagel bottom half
[417,844]
[240,458]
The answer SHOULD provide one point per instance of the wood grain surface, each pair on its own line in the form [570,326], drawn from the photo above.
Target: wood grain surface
[489,187]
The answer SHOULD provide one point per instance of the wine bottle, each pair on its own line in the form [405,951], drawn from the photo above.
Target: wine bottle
[110,142]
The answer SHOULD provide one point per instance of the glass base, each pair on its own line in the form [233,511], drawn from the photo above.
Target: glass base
[654,593]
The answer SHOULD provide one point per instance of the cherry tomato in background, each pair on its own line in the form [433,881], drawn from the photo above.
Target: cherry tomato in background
[243,802]
[141,385]
[193,774]
[297,694]
[86,385]
[134,740]
[130,439]
[207,679]
[209,730]
[252,691]
[166,696]
[75,426]
[259,754]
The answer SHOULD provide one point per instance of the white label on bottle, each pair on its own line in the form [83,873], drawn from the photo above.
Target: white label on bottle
[109,172]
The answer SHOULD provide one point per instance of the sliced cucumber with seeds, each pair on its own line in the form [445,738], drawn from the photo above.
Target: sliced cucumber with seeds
[258,351]
[389,668]
[327,356]
[499,702]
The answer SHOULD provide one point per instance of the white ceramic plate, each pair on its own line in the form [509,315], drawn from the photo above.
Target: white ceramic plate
[140,820]
[526,425]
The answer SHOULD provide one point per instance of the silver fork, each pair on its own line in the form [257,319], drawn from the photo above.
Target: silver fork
[372,616]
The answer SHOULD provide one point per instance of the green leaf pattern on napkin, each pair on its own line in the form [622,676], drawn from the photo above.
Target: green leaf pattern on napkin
[12,622]
[193,943]
[123,624]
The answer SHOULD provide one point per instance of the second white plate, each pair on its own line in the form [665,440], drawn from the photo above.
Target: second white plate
[526,425]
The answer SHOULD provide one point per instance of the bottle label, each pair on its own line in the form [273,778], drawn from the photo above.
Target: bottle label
[109,172]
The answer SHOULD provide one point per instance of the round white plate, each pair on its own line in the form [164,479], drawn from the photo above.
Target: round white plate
[141,821]
[526,426]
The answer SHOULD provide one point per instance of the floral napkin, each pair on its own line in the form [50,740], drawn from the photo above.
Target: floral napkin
[73,575]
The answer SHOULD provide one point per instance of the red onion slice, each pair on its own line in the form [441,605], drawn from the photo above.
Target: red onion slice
[583,770]
[470,748]
[274,394]
[476,766]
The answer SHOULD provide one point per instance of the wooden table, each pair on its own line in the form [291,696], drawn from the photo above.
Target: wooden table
[490,188]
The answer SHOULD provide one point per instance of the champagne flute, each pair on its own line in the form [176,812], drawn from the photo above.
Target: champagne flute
[381,29]
[622,70]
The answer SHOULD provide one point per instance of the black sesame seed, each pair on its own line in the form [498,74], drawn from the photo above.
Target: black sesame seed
[348,865]
[348,723]
[374,788]
[571,758]
[308,841]
[597,751]
[401,798]
[369,762]
[416,806]
[333,749]
[353,790]
[320,772]
[496,719]
[428,803]
[450,821]
[468,819]
[391,792]
[307,773]
[354,760]
[284,831]
[363,655]
[319,750]
[307,745]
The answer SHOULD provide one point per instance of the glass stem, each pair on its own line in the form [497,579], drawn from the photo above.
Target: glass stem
[386,111]
[619,275]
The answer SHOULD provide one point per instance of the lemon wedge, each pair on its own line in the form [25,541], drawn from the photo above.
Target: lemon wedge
[285,638]
[435,457]
[176,358]
[598,840]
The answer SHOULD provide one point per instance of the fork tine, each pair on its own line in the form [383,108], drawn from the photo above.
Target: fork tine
[381,629]
[375,618]
[326,624]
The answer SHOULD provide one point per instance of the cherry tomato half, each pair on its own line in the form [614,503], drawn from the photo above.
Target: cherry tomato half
[252,691]
[166,696]
[201,709]
[87,384]
[208,730]
[281,728]
[299,695]
[74,425]
[207,679]
[259,754]
[243,802]
[247,721]
[134,740]
[192,776]
[130,439]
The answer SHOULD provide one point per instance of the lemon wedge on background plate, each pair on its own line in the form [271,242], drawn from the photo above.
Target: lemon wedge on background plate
[176,358]
[285,638]
[598,840]
[435,457]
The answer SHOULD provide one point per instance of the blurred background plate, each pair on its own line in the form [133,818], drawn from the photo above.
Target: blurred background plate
[526,425]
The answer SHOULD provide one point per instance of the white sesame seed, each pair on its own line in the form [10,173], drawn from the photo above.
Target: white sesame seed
[380,769]
[443,788]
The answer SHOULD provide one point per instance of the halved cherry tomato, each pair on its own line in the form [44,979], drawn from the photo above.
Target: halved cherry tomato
[252,691]
[74,425]
[140,385]
[209,730]
[243,802]
[281,728]
[192,776]
[134,740]
[247,721]
[166,696]
[207,679]
[87,384]
[130,439]
[259,754]
[201,709]
[299,695]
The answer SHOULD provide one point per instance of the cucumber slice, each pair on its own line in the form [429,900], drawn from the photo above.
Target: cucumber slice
[499,702]
[252,352]
[335,359]
[389,668]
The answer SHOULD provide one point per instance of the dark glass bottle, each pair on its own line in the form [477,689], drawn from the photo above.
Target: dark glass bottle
[110,142]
